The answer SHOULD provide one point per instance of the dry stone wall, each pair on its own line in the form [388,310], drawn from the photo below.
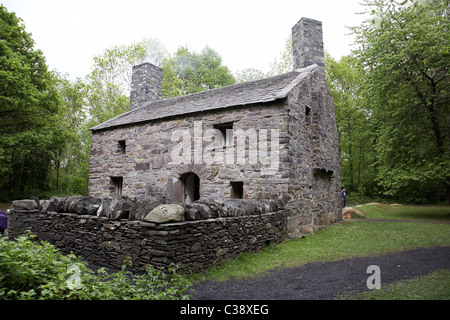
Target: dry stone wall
[192,245]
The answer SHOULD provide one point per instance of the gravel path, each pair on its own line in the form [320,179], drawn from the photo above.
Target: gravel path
[327,280]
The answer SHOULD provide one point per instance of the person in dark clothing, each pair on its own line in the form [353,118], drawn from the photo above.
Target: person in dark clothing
[3,222]
[343,196]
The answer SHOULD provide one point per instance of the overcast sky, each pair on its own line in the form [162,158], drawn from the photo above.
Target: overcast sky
[245,33]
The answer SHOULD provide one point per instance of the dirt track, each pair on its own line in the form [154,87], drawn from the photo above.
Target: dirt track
[326,281]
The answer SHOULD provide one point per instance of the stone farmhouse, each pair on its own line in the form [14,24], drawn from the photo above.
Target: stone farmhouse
[273,139]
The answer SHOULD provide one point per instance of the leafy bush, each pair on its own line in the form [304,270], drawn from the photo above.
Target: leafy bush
[31,270]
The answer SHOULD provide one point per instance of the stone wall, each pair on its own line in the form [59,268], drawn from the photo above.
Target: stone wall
[148,167]
[314,166]
[192,245]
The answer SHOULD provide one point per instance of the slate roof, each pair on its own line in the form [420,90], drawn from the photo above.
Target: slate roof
[258,91]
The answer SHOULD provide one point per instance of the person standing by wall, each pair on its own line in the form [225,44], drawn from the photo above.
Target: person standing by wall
[343,196]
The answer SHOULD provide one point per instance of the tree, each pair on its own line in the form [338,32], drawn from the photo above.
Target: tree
[404,50]
[71,161]
[24,78]
[189,72]
[249,74]
[108,84]
[356,135]
[29,105]
[285,63]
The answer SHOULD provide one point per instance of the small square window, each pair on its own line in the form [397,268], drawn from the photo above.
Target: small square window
[117,183]
[237,190]
[308,115]
[122,146]
[226,134]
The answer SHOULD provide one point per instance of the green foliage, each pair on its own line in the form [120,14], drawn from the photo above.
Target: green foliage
[108,84]
[285,62]
[353,119]
[25,85]
[30,270]
[249,74]
[282,64]
[124,285]
[71,163]
[189,72]
[29,112]
[404,51]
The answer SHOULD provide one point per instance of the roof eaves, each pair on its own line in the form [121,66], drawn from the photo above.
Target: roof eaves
[103,124]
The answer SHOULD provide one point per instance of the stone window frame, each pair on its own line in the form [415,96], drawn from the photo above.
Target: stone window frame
[237,190]
[122,146]
[227,138]
[116,185]
[183,186]
[308,115]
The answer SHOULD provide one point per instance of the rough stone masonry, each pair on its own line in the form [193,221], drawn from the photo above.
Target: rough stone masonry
[205,234]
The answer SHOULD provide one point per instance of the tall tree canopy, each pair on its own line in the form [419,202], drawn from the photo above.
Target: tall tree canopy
[108,84]
[189,72]
[29,107]
[356,135]
[26,92]
[404,51]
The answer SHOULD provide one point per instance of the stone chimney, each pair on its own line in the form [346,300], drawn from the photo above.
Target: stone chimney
[307,43]
[146,84]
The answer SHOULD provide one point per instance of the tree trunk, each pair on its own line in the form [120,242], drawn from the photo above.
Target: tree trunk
[24,175]
[447,186]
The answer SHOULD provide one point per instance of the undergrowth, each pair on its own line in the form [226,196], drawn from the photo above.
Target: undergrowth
[32,271]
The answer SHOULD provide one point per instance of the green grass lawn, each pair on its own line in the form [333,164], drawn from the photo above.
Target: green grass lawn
[344,240]
[435,286]
[413,213]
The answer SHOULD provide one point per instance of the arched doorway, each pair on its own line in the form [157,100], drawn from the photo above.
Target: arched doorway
[190,183]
